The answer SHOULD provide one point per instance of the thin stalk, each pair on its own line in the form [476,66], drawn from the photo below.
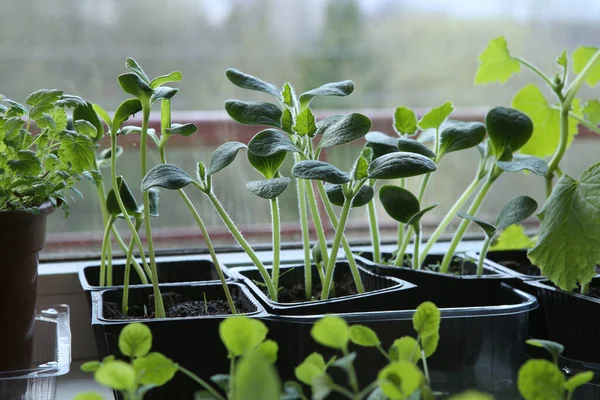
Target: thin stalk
[300,189]
[314,210]
[240,239]
[276,241]
[449,217]
[374,230]
[383,352]
[352,375]
[101,193]
[415,260]
[342,390]
[584,122]
[345,245]
[425,368]
[207,239]
[462,228]
[125,302]
[158,301]
[585,288]
[339,233]
[366,391]
[201,382]
[536,71]
[231,393]
[562,147]
[105,240]
[579,79]
[484,250]
[124,248]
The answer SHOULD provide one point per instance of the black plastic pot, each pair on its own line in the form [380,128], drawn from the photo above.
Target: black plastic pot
[22,236]
[192,342]
[588,391]
[572,319]
[377,288]
[508,260]
[482,338]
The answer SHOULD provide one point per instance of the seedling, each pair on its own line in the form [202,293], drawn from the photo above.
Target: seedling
[513,212]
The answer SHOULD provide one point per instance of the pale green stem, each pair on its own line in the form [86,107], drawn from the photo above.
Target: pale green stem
[300,189]
[345,245]
[240,239]
[415,260]
[276,241]
[449,217]
[462,228]
[425,367]
[158,301]
[201,382]
[562,147]
[314,210]
[136,265]
[101,193]
[584,122]
[374,230]
[536,70]
[367,391]
[125,302]
[105,240]
[585,288]
[484,250]
[351,374]
[579,79]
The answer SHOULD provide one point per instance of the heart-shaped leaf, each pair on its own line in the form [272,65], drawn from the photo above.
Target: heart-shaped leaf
[86,112]
[246,81]
[311,367]
[254,113]
[112,205]
[268,166]
[515,211]
[182,129]
[508,130]
[400,165]
[242,334]
[135,86]
[343,88]
[414,146]
[174,76]
[399,203]
[347,129]
[489,229]
[319,170]
[135,340]
[335,194]
[269,142]
[124,111]
[223,156]
[541,379]
[163,93]
[459,135]
[268,189]
[167,176]
[405,121]
[520,162]
[331,331]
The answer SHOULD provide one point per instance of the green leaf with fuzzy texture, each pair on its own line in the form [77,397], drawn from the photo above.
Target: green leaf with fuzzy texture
[129,202]
[459,135]
[343,88]
[399,203]
[78,150]
[381,143]
[399,380]
[86,112]
[436,116]
[163,93]
[335,194]
[287,120]
[305,123]
[242,334]
[132,84]
[509,130]
[541,379]
[134,67]
[362,335]
[42,101]
[581,57]
[400,165]
[26,163]
[223,156]
[331,331]
[591,111]
[320,170]
[520,162]
[182,129]
[247,81]
[85,128]
[167,176]
[268,189]
[346,129]
[135,340]
[124,111]
[545,119]
[270,141]
[154,369]
[489,229]
[268,166]
[116,375]
[427,319]
[496,63]
[568,247]
[288,95]
[311,367]
[405,121]
[414,146]
[515,211]
[174,76]
[405,349]
[254,113]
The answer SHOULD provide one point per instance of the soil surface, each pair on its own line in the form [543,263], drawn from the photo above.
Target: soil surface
[176,305]
[522,268]
[594,292]
[458,266]
[343,286]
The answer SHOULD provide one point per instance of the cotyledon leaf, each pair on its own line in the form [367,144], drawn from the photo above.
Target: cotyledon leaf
[268,189]
[400,165]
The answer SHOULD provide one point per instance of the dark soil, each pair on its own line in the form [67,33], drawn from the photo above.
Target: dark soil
[176,305]
[458,266]
[343,286]
[594,292]
[522,268]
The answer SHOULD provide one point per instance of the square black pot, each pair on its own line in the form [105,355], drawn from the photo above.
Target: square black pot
[510,261]
[193,342]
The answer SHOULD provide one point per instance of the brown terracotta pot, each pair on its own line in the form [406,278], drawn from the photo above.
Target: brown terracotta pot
[22,236]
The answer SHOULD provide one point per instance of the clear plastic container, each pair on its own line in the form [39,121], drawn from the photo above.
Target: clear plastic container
[51,358]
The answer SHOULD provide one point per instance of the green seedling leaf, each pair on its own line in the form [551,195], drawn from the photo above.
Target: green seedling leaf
[88,396]
[405,349]
[135,340]
[87,113]
[554,348]
[345,362]
[319,170]
[154,369]
[459,135]
[513,238]
[415,220]
[426,319]
[15,109]
[116,375]
[496,63]
[520,163]
[562,60]
[246,81]
[287,121]
[103,115]
[434,118]
[430,344]
[26,163]
[360,168]
[288,96]
[399,380]
[221,380]
[489,229]
[85,128]
[581,57]
[269,349]
[335,194]
[292,391]
[414,146]
[472,395]
[108,359]
[346,129]
[182,129]
[321,387]
[112,206]
[267,166]
[242,334]
[400,165]
[377,394]
[167,176]
[331,331]
[154,199]
[90,366]
[546,121]
[223,156]
[515,211]
[364,336]
[163,93]
[343,88]
[268,189]
[592,112]
[125,110]
[541,379]
[405,121]
[305,123]
[254,113]
[311,367]
[256,379]
[132,84]
[42,101]
[70,101]
[174,76]
[508,130]
[77,150]
[381,143]
[399,203]
[579,379]
[270,141]
[325,123]
[134,67]
[567,248]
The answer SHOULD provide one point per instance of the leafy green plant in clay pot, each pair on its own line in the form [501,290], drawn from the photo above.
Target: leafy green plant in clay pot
[41,159]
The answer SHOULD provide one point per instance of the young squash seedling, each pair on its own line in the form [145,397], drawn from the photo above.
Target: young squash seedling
[513,212]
